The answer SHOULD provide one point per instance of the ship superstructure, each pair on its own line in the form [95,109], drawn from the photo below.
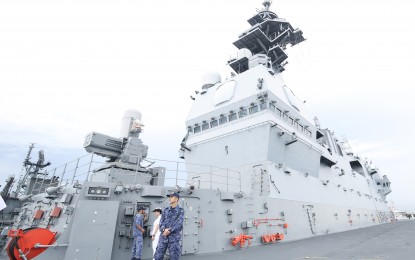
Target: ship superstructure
[259,170]
[252,121]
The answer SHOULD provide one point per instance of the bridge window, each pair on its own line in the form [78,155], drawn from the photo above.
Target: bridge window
[242,113]
[285,117]
[272,107]
[213,123]
[278,111]
[232,117]
[253,109]
[295,124]
[196,129]
[205,126]
[223,120]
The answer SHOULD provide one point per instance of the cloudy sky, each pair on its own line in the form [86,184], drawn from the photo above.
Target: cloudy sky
[71,67]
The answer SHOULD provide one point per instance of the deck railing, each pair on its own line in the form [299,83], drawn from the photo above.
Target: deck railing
[176,173]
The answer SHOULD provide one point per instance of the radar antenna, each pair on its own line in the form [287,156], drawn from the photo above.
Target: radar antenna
[30,169]
[267,40]
[266,4]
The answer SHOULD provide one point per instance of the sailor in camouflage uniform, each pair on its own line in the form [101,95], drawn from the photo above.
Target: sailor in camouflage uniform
[138,231]
[171,225]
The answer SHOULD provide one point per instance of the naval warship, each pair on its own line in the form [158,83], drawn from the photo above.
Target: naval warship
[257,170]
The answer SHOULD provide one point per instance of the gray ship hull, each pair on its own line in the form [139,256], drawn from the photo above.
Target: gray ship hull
[212,219]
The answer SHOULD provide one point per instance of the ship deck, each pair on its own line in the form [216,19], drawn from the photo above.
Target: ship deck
[387,241]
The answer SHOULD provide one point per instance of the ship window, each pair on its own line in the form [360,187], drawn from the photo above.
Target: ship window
[242,113]
[301,127]
[205,126]
[223,120]
[196,129]
[278,111]
[263,106]
[253,109]
[309,133]
[378,183]
[291,121]
[271,107]
[232,117]
[189,129]
[285,117]
[213,123]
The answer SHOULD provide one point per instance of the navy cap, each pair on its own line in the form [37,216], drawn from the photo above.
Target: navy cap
[140,208]
[174,194]
[158,209]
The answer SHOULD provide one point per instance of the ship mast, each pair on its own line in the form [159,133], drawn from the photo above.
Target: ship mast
[269,35]
[266,4]
[30,169]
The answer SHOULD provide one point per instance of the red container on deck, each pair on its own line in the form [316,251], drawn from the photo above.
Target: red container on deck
[38,214]
[56,212]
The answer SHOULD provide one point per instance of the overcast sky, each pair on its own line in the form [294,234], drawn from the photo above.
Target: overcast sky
[71,67]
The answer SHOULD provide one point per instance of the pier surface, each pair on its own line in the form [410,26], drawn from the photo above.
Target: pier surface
[392,241]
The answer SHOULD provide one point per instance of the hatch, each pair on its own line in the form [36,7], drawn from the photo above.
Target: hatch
[191,225]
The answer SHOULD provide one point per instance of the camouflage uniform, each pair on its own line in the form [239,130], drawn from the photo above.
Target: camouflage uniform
[172,218]
[138,237]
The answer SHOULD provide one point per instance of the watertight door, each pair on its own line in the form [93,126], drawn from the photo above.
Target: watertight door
[190,242]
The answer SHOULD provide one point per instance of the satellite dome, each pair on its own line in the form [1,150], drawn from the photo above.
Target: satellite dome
[133,113]
[243,53]
[210,78]
[130,117]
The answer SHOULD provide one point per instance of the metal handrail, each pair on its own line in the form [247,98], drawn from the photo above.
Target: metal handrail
[69,174]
